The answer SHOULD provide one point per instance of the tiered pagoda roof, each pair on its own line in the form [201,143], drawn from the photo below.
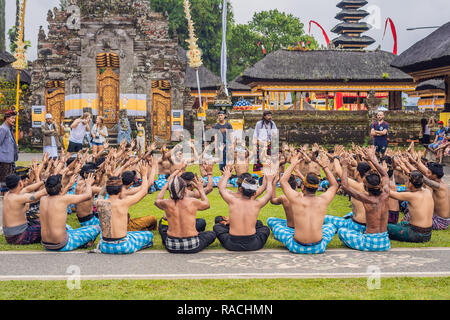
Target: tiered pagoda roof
[350,29]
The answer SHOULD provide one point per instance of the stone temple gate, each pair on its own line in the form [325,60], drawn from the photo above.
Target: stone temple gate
[102,56]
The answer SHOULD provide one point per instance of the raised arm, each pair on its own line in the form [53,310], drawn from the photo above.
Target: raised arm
[222,186]
[284,181]
[345,185]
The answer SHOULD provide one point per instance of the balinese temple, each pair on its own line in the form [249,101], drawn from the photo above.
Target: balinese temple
[350,30]
[428,59]
[431,94]
[350,74]
[108,56]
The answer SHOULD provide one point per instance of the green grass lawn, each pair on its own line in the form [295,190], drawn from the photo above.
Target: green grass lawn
[340,206]
[257,289]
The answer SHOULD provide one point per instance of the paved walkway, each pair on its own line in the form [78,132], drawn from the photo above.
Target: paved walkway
[221,264]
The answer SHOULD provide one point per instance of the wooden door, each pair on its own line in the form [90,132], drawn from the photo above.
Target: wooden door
[55,104]
[108,95]
[161,108]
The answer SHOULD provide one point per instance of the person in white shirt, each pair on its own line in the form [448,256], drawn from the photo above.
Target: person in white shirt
[99,133]
[51,137]
[79,128]
[265,130]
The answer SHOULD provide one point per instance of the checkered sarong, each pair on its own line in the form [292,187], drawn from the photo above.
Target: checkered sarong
[345,222]
[160,183]
[272,222]
[134,241]
[286,236]
[79,237]
[365,241]
[182,244]
[215,181]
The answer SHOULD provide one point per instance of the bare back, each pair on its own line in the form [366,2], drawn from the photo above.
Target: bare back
[181,216]
[14,210]
[53,217]
[377,213]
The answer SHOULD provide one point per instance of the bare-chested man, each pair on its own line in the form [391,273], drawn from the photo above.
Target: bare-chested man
[243,231]
[16,227]
[355,220]
[84,209]
[433,174]
[375,201]
[284,201]
[113,215]
[182,235]
[310,234]
[421,207]
[56,234]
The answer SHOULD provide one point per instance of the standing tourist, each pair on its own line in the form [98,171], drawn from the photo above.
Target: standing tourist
[440,135]
[51,136]
[99,133]
[79,128]
[379,133]
[426,130]
[8,149]
[264,131]
[225,129]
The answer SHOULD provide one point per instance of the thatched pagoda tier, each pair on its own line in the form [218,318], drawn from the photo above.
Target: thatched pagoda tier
[351,4]
[350,29]
[328,71]
[429,58]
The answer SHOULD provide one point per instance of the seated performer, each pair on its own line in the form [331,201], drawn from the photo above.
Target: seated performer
[421,205]
[16,227]
[284,201]
[310,234]
[84,209]
[433,174]
[375,202]
[181,235]
[145,223]
[243,231]
[56,234]
[113,215]
[355,220]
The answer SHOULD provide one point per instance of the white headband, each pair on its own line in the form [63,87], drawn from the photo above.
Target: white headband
[249,186]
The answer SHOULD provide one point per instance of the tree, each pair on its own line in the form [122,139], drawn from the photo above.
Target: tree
[274,30]
[207,16]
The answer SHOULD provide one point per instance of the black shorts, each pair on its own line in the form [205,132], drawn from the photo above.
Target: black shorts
[74,147]
[242,243]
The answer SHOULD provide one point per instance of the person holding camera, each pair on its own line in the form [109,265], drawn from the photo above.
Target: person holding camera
[99,133]
[79,128]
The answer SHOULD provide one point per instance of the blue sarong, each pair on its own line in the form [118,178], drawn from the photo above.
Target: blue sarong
[134,241]
[345,222]
[286,236]
[80,237]
[365,241]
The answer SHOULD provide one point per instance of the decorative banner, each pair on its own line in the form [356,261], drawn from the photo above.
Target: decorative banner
[323,31]
[262,47]
[394,33]
[223,57]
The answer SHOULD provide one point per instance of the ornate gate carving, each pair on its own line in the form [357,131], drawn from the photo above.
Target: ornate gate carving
[55,102]
[161,108]
[108,95]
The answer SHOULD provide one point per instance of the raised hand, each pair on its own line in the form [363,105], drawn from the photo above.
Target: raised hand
[90,179]
[227,171]
[323,160]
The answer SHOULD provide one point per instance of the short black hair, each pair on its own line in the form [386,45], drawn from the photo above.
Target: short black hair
[128,177]
[88,168]
[187,176]
[416,178]
[70,160]
[312,178]
[436,169]
[114,186]
[247,192]
[12,181]
[363,168]
[293,182]
[99,161]
[373,180]
[53,185]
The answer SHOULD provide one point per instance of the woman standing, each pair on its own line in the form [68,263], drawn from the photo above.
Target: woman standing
[99,133]
[426,132]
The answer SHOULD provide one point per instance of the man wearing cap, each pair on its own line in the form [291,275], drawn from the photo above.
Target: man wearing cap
[264,131]
[225,129]
[440,135]
[8,148]
[51,136]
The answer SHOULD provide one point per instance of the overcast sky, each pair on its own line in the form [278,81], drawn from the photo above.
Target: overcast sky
[404,13]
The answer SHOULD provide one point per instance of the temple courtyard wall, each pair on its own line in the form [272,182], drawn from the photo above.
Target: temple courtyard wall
[333,127]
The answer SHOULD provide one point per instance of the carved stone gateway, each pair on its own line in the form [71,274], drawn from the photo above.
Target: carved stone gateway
[107,53]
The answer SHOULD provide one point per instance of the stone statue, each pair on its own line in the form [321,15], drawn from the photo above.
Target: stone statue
[124,127]
[140,139]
